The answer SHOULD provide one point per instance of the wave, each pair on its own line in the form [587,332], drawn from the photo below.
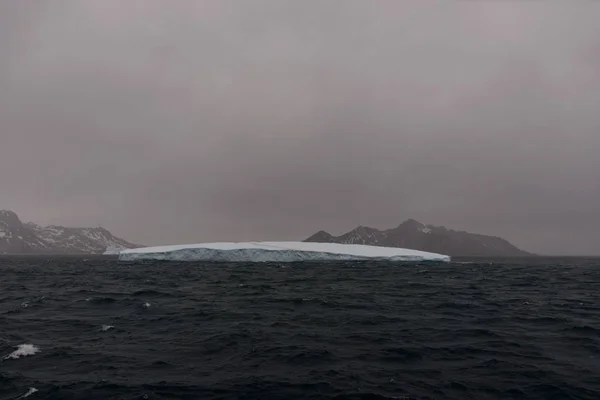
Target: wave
[29,392]
[324,331]
[23,350]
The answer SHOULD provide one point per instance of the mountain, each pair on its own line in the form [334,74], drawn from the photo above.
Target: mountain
[412,234]
[29,238]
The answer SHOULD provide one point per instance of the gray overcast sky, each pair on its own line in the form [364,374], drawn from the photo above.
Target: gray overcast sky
[189,121]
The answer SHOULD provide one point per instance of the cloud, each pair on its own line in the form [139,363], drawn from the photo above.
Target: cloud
[220,120]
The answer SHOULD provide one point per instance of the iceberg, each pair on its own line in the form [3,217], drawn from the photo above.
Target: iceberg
[277,252]
[113,250]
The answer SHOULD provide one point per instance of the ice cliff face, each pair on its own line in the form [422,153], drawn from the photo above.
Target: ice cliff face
[277,252]
[19,238]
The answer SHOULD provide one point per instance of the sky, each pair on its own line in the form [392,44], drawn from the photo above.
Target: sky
[207,120]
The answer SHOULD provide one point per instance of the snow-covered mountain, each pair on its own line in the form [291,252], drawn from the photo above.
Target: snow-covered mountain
[17,237]
[412,234]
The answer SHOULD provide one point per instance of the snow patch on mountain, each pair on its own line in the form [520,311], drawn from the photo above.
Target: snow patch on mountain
[17,237]
[81,240]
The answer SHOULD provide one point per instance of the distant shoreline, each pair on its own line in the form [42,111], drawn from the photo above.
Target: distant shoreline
[116,256]
[61,255]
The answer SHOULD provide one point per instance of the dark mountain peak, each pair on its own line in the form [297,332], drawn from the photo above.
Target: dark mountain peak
[364,229]
[409,226]
[413,234]
[9,217]
[7,212]
[411,223]
[16,237]
[10,224]
[60,228]
[101,230]
[321,237]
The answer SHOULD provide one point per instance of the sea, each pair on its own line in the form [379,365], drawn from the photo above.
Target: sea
[74,328]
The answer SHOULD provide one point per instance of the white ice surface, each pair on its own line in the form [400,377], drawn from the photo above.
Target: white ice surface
[113,250]
[276,252]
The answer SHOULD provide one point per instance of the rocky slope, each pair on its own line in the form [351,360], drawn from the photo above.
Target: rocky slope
[412,234]
[19,238]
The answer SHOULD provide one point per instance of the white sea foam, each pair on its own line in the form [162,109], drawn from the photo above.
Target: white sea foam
[23,350]
[107,327]
[29,392]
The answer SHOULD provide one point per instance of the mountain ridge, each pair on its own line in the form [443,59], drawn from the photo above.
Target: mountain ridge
[415,235]
[17,237]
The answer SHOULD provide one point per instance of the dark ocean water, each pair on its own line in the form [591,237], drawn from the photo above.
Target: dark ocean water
[489,329]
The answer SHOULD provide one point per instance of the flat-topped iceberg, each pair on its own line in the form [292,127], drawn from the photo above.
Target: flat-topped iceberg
[277,252]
